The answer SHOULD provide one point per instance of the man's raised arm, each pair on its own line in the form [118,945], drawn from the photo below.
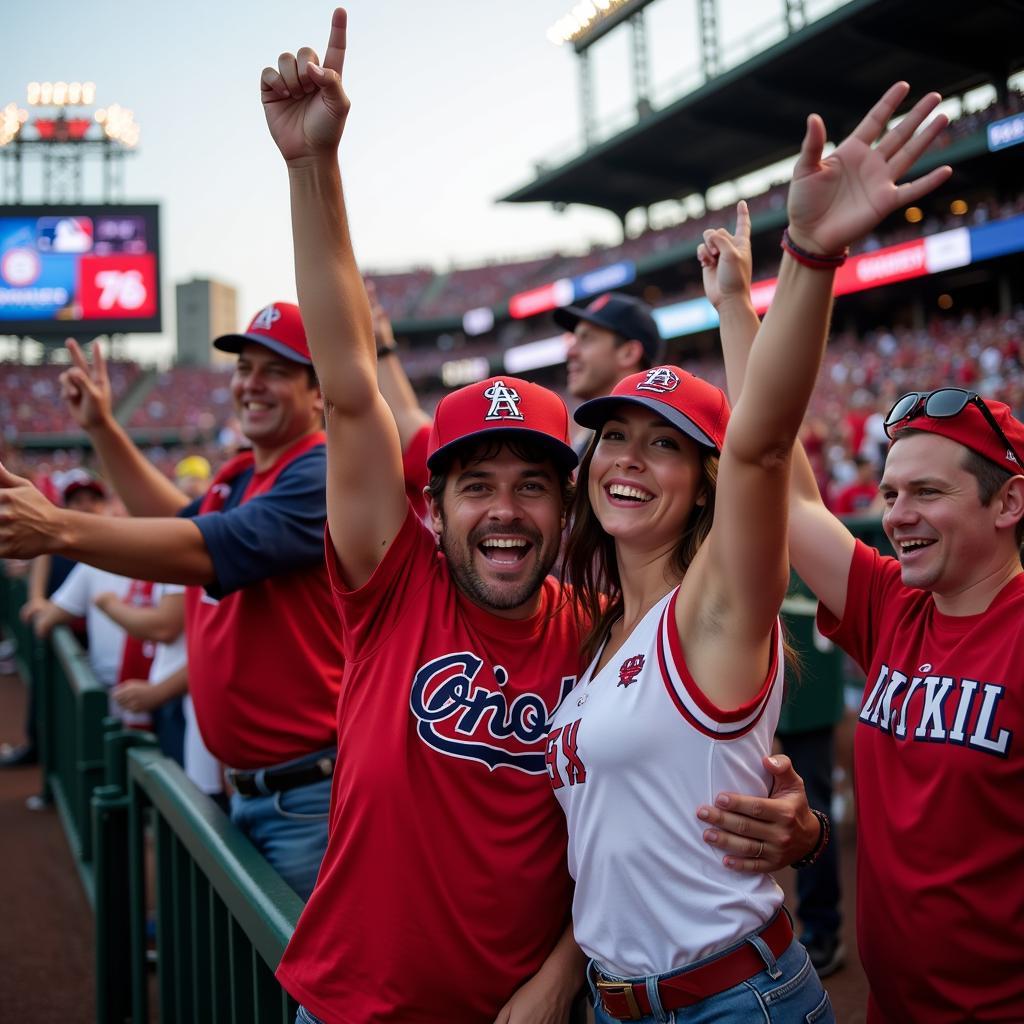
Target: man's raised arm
[306,109]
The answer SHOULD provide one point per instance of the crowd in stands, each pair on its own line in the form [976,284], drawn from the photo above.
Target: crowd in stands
[194,398]
[402,293]
[30,397]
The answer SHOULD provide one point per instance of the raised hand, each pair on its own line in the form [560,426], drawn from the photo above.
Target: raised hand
[725,260]
[85,388]
[303,100]
[836,200]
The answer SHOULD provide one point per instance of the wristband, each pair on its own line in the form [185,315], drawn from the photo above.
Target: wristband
[386,350]
[824,834]
[814,260]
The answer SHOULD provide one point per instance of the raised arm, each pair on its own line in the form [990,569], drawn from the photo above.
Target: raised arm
[169,550]
[832,202]
[85,388]
[306,109]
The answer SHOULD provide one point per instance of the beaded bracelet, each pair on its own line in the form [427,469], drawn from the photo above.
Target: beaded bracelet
[824,834]
[814,260]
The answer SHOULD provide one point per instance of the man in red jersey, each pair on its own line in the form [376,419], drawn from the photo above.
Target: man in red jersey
[939,631]
[265,661]
[444,894]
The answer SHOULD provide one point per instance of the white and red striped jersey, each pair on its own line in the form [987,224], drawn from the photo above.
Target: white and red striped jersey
[632,752]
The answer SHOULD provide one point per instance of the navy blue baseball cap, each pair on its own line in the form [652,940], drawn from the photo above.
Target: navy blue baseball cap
[620,313]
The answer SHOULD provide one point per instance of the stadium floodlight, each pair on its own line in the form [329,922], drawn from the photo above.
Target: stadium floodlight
[118,125]
[61,94]
[581,19]
[12,117]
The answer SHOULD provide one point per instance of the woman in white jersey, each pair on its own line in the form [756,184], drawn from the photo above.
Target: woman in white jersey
[678,556]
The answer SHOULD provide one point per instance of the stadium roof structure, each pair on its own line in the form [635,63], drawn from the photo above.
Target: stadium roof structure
[753,114]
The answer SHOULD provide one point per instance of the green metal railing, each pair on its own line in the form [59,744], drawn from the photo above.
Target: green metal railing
[137,826]
[223,916]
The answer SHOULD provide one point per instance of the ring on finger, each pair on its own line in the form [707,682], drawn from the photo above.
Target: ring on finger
[760,850]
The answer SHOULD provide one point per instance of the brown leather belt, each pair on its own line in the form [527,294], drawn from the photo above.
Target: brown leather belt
[628,1000]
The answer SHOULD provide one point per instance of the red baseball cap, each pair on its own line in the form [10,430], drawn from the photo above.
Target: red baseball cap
[697,408]
[277,327]
[504,405]
[970,428]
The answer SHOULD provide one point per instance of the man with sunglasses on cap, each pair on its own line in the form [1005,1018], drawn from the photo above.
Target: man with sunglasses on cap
[444,894]
[939,631]
[265,659]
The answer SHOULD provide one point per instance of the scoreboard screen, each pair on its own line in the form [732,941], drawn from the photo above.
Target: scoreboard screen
[87,269]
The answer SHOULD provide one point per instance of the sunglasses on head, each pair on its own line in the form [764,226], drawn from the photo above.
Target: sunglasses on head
[942,404]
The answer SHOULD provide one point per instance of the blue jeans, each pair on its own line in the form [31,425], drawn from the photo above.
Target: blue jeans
[787,991]
[305,1017]
[289,829]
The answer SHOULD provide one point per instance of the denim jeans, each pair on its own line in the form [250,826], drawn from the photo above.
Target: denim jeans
[305,1017]
[289,829]
[787,991]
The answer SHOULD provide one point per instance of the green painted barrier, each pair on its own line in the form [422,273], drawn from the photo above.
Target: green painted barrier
[223,916]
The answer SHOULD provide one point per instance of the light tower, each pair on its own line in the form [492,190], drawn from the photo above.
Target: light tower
[62,133]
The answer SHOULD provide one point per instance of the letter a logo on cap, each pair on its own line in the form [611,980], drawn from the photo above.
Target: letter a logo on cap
[265,319]
[661,380]
[504,402]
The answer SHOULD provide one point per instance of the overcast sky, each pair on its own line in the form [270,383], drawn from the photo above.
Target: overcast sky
[453,103]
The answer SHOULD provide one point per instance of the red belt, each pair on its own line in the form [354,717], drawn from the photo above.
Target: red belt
[628,1000]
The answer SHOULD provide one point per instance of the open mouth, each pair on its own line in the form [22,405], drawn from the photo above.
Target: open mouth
[504,551]
[624,494]
[908,548]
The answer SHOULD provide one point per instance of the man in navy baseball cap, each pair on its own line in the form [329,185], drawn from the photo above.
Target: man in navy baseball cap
[612,337]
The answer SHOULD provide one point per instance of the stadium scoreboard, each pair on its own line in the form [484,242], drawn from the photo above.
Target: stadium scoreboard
[84,268]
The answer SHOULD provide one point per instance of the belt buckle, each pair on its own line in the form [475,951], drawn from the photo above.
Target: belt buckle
[624,989]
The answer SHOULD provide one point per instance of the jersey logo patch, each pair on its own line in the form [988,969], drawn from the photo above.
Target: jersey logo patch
[266,318]
[463,713]
[630,669]
[660,380]
[504,402]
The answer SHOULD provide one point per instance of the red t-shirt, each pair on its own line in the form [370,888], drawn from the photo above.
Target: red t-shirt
[940,798]
[445,884]
[265,664]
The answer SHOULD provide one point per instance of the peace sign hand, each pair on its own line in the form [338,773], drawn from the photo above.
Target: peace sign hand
[85,388]
[304,102]
[836,200]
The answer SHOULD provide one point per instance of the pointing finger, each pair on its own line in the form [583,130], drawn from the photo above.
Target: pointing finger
[334,56]
[742,221]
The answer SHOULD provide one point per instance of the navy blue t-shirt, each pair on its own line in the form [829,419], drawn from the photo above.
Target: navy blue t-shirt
[276,532]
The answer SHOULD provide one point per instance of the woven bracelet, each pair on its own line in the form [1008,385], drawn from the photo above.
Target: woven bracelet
[814,260]
[819,847]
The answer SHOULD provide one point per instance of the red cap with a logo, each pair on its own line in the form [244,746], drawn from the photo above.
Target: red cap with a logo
[277,327]
[501,404]
[970,428]
[697,408]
